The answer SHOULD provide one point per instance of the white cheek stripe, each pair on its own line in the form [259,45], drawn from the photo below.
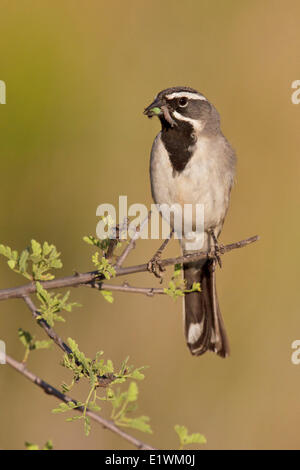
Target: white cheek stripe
[197,125]
[186,94]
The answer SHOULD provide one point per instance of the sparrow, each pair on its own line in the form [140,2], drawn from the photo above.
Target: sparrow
[193,163]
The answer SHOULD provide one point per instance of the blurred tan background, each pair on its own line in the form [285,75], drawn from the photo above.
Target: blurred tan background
[72,135]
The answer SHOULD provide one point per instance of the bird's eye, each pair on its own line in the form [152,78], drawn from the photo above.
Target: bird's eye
[183,102]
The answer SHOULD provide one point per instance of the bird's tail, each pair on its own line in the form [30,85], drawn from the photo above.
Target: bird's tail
[203,323]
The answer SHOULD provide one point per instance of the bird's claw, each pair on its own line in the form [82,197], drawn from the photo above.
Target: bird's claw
[213,254]
[217,250]
[155,267]
[218,258]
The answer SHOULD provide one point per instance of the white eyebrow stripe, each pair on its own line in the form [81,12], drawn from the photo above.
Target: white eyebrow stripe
[186,94]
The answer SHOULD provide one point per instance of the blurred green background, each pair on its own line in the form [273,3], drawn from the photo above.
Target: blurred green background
[73,136]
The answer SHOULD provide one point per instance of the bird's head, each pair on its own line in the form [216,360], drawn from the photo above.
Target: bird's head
[179,106]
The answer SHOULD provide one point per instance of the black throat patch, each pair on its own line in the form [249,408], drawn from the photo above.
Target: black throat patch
[178,141]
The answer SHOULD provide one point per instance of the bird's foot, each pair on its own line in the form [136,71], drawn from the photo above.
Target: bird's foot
[218,249]
[155,267]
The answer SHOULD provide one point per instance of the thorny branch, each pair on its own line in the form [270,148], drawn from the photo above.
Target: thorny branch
[103,381]
[49,331]
[106,424]
[95,280]
[92,276]
[149,291]
[131,245]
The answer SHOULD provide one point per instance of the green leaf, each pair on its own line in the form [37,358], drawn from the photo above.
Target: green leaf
[25,337]
[72,405]
[46,248]
[56,263]
[87,425]
[107,294]
[94,407]
[23,261]
[196,286]
[89,240]
[75,418]
[137,375]
[30,446]
[109,367]
[44,344]
[3,250]
[84,361]
[186,438]
[133,391]
[103,266]
[62,407]
[156,110]
[48,445]
[66,388]
[177,269]
[141,423]
[124,365]
[36,248]
[11,263]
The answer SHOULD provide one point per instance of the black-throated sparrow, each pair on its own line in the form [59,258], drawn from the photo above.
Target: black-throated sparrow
[193,163]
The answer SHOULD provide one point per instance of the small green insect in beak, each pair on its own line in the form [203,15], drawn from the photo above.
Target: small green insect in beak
[156,110]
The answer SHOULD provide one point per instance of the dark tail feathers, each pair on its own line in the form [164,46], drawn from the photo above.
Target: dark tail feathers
[203,324]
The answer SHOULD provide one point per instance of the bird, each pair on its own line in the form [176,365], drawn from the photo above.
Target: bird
[193,163]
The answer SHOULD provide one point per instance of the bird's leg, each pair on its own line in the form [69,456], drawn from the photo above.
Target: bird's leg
[154,265]
[217,248]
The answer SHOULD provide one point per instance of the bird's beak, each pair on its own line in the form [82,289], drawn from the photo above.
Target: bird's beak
[154,109]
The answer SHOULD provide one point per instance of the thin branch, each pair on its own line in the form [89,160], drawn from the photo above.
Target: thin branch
[85,278]
[106,424]
[103,381]
[131,244]
[94,279]
[47,328]
[149,291]
[112,244]
[197,256]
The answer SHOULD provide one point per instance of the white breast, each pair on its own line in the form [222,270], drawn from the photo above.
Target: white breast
[205,180]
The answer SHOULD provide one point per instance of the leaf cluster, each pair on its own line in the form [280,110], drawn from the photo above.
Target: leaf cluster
[177,285]
[47,446]
[51,304]
[101,263]
[35,262]
[95,370]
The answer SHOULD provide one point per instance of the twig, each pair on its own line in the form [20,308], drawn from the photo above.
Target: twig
[197,256]
[150,291]
[85,278]
[131,244]
[113,243]
[94,279]
[47,328]
[103,381]
[106,424]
